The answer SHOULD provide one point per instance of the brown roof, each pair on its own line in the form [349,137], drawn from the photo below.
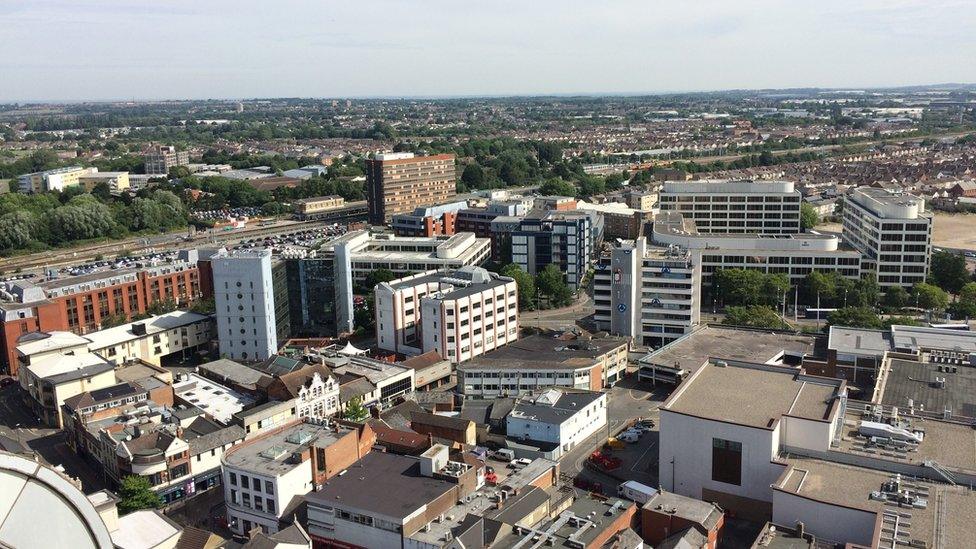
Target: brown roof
[271,183]
[420,362]
[447,422]
[396,437]
[294,381]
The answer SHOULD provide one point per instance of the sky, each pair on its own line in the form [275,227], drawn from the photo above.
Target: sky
[178,49]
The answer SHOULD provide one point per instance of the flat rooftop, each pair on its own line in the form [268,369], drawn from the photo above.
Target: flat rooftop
[859,341]
[917,338]
[543,350]
[154,325]
[910,380]
[387,484]
[833,483]
[554,406]
[754,395]
[692,351]
[215,399]
[270,455]
[952,445]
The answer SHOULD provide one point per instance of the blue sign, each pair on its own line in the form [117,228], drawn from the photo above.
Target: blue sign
[622,307]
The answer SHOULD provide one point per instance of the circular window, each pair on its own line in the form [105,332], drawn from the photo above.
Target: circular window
[243,343]
[240,319]
[244,356]
[238,283]
[240,296]
[240,307]
[242,331]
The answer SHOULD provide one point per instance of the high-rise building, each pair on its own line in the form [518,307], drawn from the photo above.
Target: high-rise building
[893,232]
[735,207]
[244,296]
[459,314]
[399,183]
[160,158]
[561,238]
[650,294]
[312,296]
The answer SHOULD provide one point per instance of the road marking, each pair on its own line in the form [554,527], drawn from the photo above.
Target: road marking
[637,462]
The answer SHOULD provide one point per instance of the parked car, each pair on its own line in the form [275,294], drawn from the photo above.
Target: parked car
[628,436]
[503,454]
[636,492]
[519,463]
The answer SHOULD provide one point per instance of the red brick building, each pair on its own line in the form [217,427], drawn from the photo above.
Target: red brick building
[80,304]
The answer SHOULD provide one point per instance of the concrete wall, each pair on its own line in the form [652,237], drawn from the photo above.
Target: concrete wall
[823,520]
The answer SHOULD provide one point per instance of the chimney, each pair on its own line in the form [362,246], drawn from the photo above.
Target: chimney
[800,528]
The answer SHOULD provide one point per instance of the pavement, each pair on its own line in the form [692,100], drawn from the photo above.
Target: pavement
[18,424]
[564,317]
[626,401]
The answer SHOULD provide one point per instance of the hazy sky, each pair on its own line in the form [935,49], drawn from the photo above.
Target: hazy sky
[144,49]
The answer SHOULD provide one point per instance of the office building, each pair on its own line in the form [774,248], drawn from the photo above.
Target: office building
[81,303]
[160,158]
[428,220]
[556,420]
[57,179]
[117,182]
[312,296]
[399,183]
[459,314]
[652,295]
[539,362]
[266,478]
[358,253]
[893,232]
[795,255]
[245,304]
[735,207]
[561,238]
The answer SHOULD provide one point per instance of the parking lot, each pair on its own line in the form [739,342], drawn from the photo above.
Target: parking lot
[627,402]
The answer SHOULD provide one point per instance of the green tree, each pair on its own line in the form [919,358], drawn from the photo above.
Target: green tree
[178,172]
[272,208]
[552,284]
[135,493]
[549,152]
[81,220]
[376,277]
[162,306]
[473,176]
[204,306]
[15,230]
[145,215]
[557,187]
[525,283]
[948,271]
[895,298]
[854,317]
[756,316]
[929,296]
[808,216]
[355,411]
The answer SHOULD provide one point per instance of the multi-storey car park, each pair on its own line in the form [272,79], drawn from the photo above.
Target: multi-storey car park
[893,232]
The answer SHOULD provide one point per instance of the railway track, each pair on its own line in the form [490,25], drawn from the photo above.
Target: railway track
[139,246]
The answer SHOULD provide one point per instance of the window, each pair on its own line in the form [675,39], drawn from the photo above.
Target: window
[268,488]
[270,504]
[727,461]
[233,479]
[245,482]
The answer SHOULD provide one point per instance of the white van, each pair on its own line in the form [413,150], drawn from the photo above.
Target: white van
[503,454]
[636,492]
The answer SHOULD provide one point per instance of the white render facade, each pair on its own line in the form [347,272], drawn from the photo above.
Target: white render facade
[244,300]
[460,314]
[735,207]
[650,294]
[893,232]
[557,417]
[319,399]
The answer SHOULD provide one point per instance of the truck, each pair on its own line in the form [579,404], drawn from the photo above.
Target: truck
[636,492]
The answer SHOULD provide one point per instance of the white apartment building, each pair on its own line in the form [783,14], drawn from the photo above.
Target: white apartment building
[650,294]
[893,232]
[154,338]
[245,308]
[557,417]
[459,314]
[358,253]
[724,426]
[735,207]
[795,255]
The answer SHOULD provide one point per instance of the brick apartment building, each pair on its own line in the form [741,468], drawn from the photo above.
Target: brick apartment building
[80,304]
[399,183]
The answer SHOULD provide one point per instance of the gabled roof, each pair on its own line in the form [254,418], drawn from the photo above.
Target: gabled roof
[293,381]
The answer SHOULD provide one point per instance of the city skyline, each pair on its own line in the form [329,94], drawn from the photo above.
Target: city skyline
[385,49]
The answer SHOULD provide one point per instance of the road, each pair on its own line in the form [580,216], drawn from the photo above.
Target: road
[564,317]
[18,426]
